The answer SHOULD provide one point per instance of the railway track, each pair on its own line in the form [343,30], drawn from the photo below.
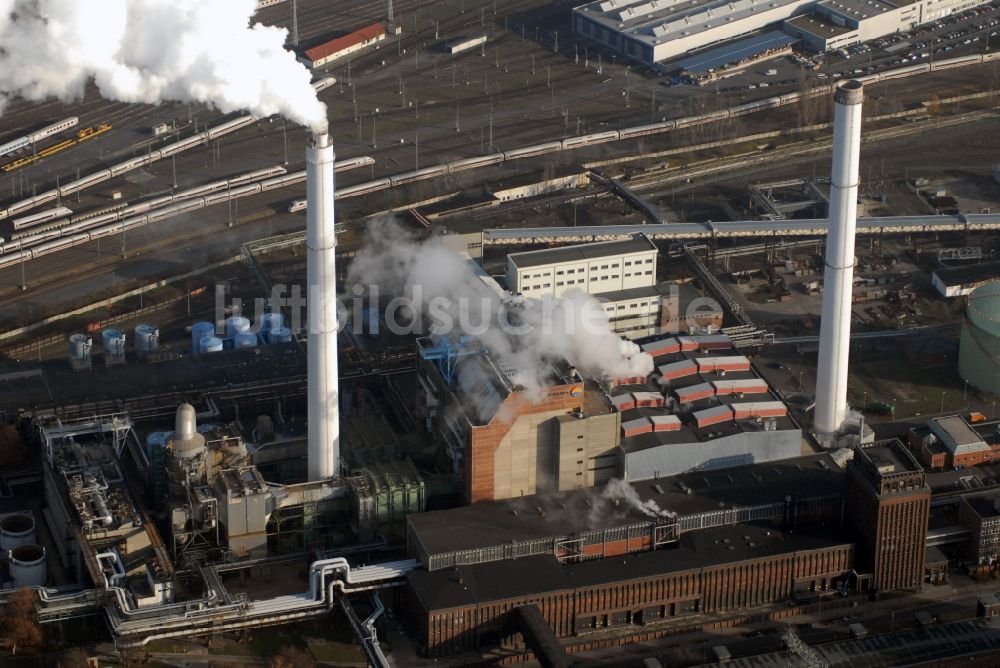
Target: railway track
[716,165]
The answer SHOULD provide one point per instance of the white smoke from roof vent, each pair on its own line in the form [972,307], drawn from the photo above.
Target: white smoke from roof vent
[152,51]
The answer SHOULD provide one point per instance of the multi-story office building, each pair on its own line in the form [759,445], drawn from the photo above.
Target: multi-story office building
[887,503]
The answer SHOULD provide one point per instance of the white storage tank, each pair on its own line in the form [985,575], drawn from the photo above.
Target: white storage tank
[244,340]
[979,350]
[147,338]
[113,342]
[270,322]
[236,325]
[199,331]
[27,566]
[15,530]
[79,351]
[210,344]
[280,335]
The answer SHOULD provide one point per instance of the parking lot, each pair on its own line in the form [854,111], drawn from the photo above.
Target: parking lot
[974,30]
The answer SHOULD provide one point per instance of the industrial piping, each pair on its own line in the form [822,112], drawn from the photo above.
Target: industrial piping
[838,277]
[321,243]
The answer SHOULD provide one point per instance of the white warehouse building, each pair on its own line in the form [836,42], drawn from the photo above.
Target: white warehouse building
[653,31]
[605,266]
[621,274]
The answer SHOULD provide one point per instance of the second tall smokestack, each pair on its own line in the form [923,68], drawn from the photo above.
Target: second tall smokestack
[321,273]
[838,277]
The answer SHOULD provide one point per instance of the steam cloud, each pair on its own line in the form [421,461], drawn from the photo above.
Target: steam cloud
[618,489]
[442,286]
[151,51]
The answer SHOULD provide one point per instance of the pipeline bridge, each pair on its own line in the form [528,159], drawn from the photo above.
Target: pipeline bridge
[963,222]
[331,582]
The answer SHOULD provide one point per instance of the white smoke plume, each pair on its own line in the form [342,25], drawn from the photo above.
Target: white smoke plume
[617,491]
[455,301]
[151,51]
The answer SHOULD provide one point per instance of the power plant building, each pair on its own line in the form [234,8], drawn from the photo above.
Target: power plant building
[620,275]
[888,502]
[508,442]
[713,411]
[596,562]
[477,607]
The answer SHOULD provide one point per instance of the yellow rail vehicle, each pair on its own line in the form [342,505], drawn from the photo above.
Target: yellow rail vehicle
[81,136]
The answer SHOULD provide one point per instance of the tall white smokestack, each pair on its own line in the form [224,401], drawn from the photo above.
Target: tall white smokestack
[838,278]
[321,248]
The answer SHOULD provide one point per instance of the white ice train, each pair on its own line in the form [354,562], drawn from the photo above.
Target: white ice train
[33,137]
[141,161]
[51,240]
[43,217]
[632,132]
[88,228]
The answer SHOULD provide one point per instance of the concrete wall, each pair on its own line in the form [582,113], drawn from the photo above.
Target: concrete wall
[502,457]
[735,450]
[586,454]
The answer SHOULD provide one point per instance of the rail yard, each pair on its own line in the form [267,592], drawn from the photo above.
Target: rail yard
[221,431]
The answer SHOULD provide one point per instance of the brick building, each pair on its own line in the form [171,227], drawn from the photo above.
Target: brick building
[951,442]
[471,608]
[887,505]
[509,442]
[981,515]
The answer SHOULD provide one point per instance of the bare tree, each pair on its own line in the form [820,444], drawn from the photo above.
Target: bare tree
[293,657]
[20,621]
[12,448]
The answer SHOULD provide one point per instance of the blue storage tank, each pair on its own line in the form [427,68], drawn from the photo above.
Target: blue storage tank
[281,335]
[210,344]
[244,340]
[236,325]
[199,331]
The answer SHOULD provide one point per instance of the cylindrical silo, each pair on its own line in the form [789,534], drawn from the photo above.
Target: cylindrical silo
[270,322]
[199,331]
[235,325]
[27,566]
[15,530]
[147,338]
[280,335]
[244,340]
[113,342]
[210,344]
[79,350]
[979,352]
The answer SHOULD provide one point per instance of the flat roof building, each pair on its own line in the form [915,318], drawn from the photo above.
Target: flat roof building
[620,275]
[654,31]
[596,268]
[726,414]
[600,522]
[469,607]
[341,47]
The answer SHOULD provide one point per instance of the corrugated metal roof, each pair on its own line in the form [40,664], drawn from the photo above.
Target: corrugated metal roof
[683,365]
[713,412]
[347,41]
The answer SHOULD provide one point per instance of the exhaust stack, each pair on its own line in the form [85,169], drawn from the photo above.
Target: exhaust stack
[321,246]
[838,277]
